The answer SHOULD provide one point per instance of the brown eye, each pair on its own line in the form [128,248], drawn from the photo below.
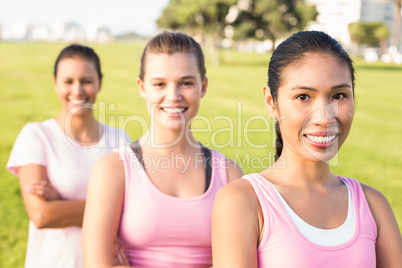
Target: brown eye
[303,97]
[159,84]
[187,83]
[339,96]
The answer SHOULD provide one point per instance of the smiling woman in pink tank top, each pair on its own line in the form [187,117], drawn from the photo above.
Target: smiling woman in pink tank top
[155,197]
[297,213]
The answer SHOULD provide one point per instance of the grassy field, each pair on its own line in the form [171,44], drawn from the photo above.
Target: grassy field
[372,153]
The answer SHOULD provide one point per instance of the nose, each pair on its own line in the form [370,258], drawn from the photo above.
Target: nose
[173,93]
[77,88]
[325,113]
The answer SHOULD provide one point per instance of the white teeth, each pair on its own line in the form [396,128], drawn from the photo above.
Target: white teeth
[174,110]
[75,102]
[321,139]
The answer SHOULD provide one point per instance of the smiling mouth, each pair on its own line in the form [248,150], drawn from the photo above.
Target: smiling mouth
[321,139]
[173,110]
[80,101]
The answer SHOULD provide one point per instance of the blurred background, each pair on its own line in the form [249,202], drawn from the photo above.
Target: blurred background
[238,37]
[370,28]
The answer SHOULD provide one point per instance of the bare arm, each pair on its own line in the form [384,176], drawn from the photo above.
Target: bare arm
[389,241]
[43,213]
[44,189]
[103,212]
[235,226]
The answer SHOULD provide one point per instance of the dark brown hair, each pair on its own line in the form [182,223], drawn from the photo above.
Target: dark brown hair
[293,50]
[80,51]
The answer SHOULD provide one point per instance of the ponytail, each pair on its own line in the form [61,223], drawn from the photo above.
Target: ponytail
[278,142]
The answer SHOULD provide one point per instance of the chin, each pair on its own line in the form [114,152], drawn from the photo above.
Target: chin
[173,127]
[321,156]
[79,112]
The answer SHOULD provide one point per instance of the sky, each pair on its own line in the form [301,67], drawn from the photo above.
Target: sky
[120,16]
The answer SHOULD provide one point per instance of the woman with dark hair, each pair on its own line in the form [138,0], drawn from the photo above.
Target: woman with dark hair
[53,160]
[158,200]
[297,213]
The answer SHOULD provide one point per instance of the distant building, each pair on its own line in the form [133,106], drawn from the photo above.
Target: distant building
[73,33]
[17,31]
[39,33]
[335,16]
[95,33]
[104,35]
[56,32]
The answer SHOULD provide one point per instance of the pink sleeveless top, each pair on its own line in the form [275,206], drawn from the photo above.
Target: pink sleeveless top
[283,245]
[158,230]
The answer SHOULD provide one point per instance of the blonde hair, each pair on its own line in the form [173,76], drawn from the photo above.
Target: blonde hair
[172,42]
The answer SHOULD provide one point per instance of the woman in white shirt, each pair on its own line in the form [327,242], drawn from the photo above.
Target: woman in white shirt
[53,160]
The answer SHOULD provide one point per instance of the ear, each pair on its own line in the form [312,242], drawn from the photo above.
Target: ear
[141,88]
[269,103]
[204,87]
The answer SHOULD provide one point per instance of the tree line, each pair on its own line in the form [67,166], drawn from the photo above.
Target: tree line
[215,20]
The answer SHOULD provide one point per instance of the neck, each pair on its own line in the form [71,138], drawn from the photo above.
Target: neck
[293,169]
[84,129]
[168,141]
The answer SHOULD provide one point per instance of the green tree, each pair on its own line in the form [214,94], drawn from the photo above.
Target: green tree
[382,33]
[374,34]
[203,17]
[355,32]
[272,19]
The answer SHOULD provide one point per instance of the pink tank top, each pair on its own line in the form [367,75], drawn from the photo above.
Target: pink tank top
[283,245]
[158,230]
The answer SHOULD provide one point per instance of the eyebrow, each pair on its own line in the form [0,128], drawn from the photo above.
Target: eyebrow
[313,89]
[189,77]
[181,78]
[84,77]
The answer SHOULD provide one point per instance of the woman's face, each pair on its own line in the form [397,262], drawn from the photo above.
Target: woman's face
[77,84]
[315,107]
[172,87]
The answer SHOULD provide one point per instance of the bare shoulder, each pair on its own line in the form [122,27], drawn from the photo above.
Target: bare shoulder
[234,171]
[374,197]
[389,241]
[110,160]
[237,205]
[238,193]
[379,206]
[109,166]
[107,179]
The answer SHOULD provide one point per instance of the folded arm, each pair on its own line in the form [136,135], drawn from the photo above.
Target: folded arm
[47,212]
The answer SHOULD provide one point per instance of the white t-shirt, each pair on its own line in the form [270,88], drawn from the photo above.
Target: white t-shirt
[68,166]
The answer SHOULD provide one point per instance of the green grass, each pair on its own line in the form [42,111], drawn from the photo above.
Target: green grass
[372,153]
